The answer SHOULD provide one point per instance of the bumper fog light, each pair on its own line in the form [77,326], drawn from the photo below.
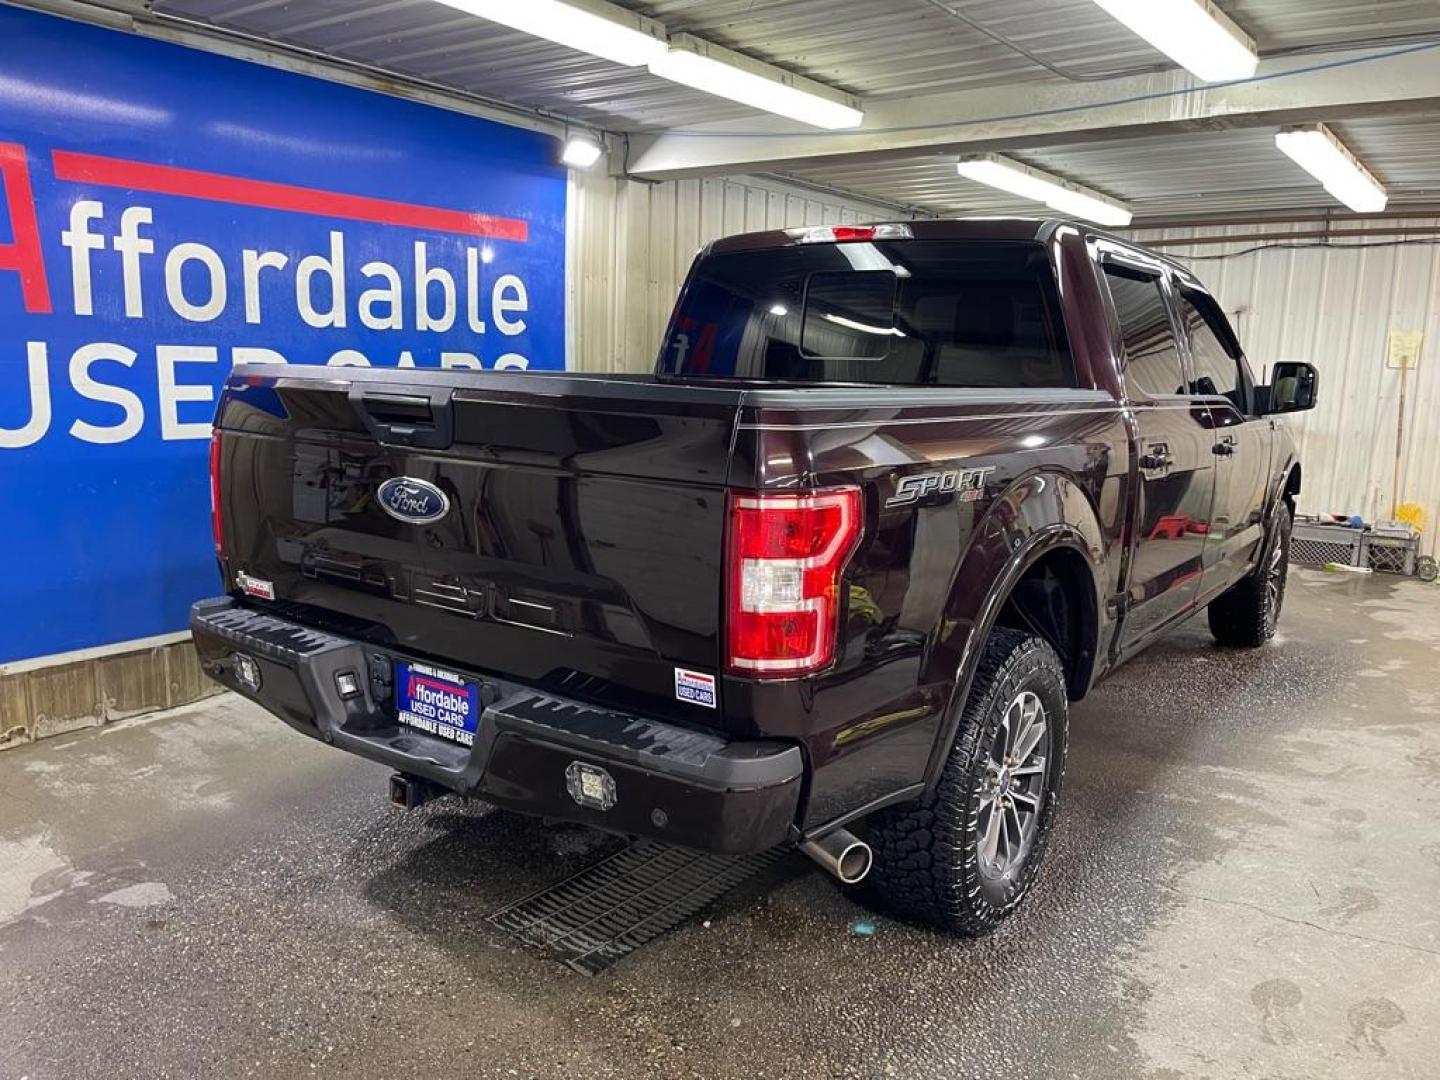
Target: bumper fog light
[590,785]
[247,672]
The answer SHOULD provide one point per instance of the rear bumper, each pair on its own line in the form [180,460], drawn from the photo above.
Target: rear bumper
[669,783]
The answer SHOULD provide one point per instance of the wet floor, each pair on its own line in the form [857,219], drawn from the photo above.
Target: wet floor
[1244,881]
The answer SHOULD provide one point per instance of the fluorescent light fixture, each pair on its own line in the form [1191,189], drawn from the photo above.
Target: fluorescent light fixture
[728,74]
[1062,195]
[589,26]
[779,309]
[1316,150]
[626,37]
[581,151]
[1196,34]
[864,328]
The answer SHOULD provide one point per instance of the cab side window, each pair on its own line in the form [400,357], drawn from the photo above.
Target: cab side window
[1152,362]
[1216,370]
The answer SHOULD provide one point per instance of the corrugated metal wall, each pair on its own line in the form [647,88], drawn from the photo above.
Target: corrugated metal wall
[631,244]
[1335,306]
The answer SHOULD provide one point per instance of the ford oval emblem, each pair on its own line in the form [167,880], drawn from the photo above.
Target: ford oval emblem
[415,502]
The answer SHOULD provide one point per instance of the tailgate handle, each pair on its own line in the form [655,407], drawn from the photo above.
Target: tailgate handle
[421,419]
[400,410]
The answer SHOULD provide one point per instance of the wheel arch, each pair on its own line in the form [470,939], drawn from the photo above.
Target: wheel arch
[1290,486]
[1286,488]
[1044,530]
[1055,597]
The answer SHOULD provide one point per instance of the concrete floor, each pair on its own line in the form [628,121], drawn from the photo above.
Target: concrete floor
[1244,881]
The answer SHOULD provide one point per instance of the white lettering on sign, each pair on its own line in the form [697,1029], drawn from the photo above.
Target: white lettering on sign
[172,391]
[89,378]
[131,245]
[332,268]
[83,381]
[33,429]
[206,310]
[509,296]
[472,292]
[123,266]
[197,280]
[253,262]
[438,702]
[426,276]
[81,242]
[391,295]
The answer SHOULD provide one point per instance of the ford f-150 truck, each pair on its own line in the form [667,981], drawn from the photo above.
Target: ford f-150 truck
[892,499]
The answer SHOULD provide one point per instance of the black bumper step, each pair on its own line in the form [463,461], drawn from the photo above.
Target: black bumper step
[533,752]
[255,631]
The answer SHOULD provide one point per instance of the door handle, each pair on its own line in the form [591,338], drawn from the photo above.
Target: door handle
[1225,447]
[1156,456]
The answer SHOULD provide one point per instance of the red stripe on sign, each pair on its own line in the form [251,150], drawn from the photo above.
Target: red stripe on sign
[169,180]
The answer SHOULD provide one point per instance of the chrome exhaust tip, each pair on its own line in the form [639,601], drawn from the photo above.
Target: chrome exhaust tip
[842,853]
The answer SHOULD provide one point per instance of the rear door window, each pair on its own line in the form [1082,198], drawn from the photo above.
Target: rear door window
[1152,361]
[911,312]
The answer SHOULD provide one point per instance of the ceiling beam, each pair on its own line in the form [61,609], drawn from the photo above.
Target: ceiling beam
[1329,86]
[1329,215]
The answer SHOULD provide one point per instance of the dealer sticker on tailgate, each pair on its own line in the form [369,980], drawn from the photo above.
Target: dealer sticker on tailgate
[438,702]
[696,687]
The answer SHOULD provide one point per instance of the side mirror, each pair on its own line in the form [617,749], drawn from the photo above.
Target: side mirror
[1293,388]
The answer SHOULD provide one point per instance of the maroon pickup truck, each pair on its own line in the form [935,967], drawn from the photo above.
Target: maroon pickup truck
[894,496]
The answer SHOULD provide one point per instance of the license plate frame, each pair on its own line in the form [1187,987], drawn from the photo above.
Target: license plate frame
[437,702]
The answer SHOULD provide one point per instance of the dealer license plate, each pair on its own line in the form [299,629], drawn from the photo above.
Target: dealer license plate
[437,702]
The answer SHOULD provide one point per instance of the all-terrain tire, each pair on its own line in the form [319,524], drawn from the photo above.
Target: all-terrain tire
[1246,614]
[929,864]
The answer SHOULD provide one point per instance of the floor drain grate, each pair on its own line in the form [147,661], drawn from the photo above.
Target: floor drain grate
[594,918]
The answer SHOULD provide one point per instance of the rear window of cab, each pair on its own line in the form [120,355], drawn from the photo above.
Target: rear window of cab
[902,312]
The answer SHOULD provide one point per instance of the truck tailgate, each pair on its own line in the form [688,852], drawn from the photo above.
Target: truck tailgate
[581,547]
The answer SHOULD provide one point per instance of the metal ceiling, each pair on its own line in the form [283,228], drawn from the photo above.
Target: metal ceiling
[1169,176]
[874,48]
[888,49]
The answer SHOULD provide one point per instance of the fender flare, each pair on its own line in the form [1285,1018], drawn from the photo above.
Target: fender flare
[1276,495]
[1279,481]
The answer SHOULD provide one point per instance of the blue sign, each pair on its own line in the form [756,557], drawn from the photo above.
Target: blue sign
[438,702]
[166,213]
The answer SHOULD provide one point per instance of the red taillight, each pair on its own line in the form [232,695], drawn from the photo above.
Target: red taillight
[217,523]
[784,556]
